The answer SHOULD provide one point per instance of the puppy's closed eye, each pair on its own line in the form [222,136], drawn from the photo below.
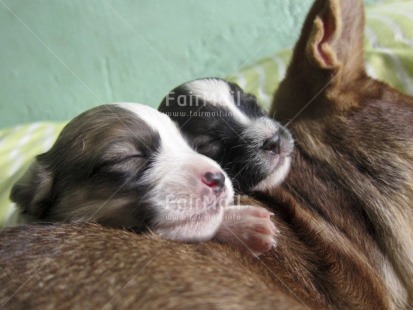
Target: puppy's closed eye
[132,165]
[208,145]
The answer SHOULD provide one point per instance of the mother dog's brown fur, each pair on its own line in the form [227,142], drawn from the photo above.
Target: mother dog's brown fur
[344,212]
[351,186]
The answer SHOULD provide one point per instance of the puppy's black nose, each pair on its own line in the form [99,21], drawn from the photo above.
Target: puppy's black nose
[214,180]
[272,144]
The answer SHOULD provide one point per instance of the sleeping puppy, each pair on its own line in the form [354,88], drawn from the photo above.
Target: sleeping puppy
[228,125]
[127,165]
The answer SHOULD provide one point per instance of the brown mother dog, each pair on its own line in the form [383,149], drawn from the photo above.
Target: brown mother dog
[351,186]
[343,212]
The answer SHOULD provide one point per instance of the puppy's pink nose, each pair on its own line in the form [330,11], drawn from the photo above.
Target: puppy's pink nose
[214,180]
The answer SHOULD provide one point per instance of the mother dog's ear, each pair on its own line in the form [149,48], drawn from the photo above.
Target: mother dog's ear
[327,58]
[32,193]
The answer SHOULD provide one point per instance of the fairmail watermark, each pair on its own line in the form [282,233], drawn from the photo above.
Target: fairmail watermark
[195,208]
[203,114]
[192,99]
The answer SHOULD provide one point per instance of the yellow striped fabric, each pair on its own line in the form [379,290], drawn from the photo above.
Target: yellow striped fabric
[18,147]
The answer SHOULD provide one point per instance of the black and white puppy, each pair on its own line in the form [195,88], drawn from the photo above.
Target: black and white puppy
[228,125]
[127,165]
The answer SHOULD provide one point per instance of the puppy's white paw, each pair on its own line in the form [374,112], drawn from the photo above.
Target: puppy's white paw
[248,228]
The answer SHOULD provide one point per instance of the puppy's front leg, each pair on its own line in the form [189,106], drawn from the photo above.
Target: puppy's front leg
[248,228]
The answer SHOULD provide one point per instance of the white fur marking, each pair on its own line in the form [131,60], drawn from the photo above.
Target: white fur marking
[217,92]
[276,177]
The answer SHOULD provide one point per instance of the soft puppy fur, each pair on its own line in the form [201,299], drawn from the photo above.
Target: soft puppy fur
[227,124]
[127,165]
[344,211]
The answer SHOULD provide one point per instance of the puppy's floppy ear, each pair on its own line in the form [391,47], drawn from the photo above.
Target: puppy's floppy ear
[327,58]
[32,193]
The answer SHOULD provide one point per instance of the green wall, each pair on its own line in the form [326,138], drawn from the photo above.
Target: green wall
[60,57]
